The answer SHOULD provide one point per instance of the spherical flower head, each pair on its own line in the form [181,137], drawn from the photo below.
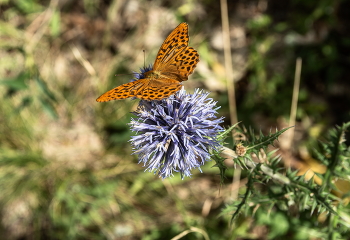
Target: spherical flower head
[177,133]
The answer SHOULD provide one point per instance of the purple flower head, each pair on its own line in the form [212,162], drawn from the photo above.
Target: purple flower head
[176,133]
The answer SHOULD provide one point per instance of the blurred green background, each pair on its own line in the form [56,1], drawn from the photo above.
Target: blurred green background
[66,169]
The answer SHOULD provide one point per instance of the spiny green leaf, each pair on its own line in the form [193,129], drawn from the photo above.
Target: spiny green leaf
[264,141]
[224,134]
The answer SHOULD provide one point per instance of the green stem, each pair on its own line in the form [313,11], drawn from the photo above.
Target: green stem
[334,161]
[245,198]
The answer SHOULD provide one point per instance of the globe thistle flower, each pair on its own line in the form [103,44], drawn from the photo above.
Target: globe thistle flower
[176,133]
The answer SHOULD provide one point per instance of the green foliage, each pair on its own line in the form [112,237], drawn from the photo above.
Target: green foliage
[335,154]
[27,6]
[276,197]
[81,205]
[74,203]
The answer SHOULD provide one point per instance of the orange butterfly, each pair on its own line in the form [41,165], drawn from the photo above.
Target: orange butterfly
[175,61]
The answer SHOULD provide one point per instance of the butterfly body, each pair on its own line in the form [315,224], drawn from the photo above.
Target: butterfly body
[175,61]
[154,74]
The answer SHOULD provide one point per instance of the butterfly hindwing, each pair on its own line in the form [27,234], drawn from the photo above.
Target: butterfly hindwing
[159,89]
[186,62]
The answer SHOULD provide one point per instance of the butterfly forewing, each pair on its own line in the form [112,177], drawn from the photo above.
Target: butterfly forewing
[173,45]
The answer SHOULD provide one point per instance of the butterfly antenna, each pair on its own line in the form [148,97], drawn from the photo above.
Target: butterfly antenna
[144,58]
[123,74]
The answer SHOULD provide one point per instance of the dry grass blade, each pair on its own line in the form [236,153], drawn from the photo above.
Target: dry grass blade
[192,229]
[294,107]
[37,28]
[228,61]
[86,64]
[230,84]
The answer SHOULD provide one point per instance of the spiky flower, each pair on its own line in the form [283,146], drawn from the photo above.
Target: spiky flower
[176,133]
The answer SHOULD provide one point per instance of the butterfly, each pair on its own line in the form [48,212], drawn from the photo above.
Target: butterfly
[175,61]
